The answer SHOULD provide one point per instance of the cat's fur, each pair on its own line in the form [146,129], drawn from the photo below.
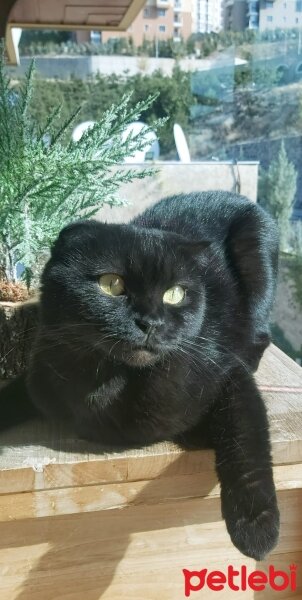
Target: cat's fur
[97,364]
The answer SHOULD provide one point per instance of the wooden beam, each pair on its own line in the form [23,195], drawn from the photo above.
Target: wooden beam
[124,21]
[131,13]
[5,8]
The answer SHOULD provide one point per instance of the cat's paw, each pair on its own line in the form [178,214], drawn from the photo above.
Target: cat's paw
[254,533]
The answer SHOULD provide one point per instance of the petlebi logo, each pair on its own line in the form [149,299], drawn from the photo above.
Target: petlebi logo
[241,579]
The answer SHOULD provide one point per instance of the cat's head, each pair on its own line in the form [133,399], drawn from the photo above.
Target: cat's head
[134,294]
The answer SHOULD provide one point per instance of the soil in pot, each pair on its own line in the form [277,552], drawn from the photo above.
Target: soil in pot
[18,322]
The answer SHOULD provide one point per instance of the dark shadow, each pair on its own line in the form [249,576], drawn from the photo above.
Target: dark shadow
[289,556]
[88,547]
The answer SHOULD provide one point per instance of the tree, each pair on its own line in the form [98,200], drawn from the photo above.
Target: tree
[296,262]
[277,189]
[47,181]
[97,93]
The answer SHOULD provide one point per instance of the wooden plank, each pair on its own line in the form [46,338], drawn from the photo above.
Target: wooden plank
[160,460]
[276,369]
[75,500]
[55,458]
[136,553]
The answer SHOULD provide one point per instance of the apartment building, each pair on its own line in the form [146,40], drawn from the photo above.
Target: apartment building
[241,14]
[207,15]
[159,20]
[262,14]
[166,19]
[283,14]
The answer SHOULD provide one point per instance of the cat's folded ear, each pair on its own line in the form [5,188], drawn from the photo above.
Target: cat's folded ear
[251,249]
[73,235]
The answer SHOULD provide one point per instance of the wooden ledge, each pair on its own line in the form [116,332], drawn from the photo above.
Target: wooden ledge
[69,475]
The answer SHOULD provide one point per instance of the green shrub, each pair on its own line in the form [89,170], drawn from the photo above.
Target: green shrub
[46,179]
[97,94]
[277,190]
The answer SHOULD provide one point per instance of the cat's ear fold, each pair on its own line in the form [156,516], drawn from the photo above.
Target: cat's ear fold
[251,250]
[71,234]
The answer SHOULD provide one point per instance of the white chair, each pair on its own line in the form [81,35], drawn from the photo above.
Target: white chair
[80,129]
[16,33]
[151,150]
[181,144]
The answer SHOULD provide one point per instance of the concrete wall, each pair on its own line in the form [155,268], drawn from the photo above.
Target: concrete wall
[289,66]
[82,66]
[63,67]
[176,178]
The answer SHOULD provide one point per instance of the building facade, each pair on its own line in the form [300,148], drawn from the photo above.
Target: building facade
[159,20]
[169,19]
[207,16]
[281,14]
[262,14]
[241,14]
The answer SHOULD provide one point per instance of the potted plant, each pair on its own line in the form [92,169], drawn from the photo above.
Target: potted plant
[46,182]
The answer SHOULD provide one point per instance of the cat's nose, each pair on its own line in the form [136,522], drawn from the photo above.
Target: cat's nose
[148,324]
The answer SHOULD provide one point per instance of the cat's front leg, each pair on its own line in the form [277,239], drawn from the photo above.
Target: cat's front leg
[239,431]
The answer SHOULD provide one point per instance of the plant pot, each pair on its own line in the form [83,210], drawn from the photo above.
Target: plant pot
[18,323]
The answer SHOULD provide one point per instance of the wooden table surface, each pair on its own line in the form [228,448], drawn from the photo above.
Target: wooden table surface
[39,456]
[79,523]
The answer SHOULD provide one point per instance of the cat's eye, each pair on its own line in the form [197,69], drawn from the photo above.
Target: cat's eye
[112,284]
[174,295]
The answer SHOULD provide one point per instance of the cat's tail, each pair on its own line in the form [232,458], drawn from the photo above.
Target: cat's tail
[15,404]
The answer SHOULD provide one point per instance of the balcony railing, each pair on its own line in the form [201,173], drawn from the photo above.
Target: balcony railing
[252,11]
[163,3]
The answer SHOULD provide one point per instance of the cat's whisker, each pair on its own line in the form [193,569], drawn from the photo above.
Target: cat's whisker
[74,343]
[113,346]
[191,360]
[195,348]
[206,368]
[226,350]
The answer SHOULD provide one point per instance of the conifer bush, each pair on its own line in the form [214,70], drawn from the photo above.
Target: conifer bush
[47,180]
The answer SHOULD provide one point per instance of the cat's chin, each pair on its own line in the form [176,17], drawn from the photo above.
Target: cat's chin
[140,358]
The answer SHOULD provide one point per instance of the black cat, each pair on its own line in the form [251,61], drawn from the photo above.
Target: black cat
[151,331]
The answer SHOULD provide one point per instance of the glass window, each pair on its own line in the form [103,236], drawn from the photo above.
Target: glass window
[254,20]
[95,37]
[240,100]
